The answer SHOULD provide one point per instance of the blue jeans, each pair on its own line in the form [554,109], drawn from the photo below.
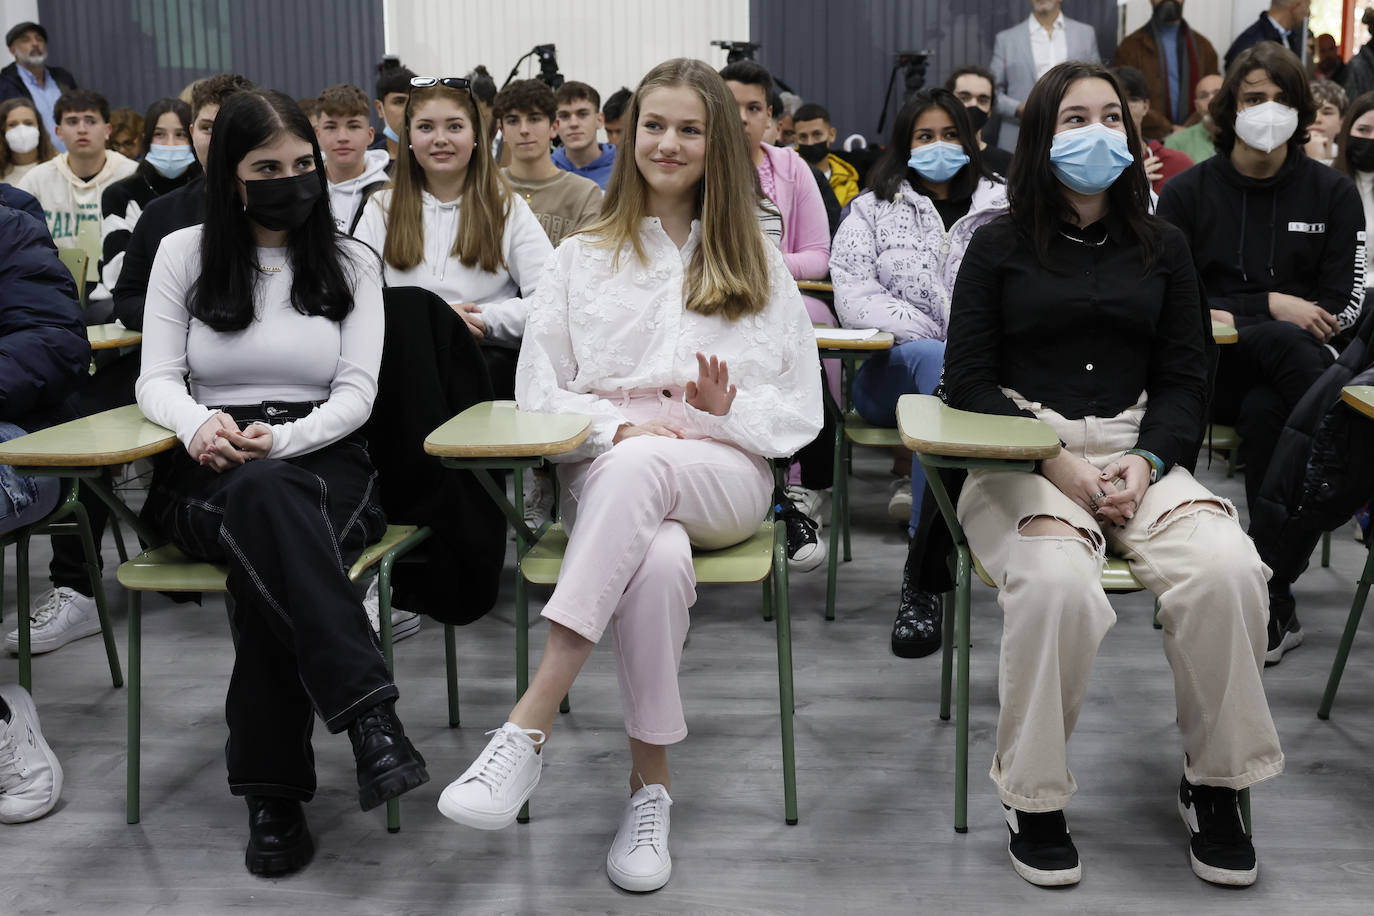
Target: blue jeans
[23,500]
[913,367]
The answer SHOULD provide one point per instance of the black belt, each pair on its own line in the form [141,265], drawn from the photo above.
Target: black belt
[270,412]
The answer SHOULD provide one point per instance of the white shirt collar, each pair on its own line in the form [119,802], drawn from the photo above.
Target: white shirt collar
[1283,33]
[1056,26]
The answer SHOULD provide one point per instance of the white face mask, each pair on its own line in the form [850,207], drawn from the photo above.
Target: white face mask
[22,138]
[1267,126]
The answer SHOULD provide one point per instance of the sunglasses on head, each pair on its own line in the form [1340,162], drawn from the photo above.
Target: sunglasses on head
[452,82]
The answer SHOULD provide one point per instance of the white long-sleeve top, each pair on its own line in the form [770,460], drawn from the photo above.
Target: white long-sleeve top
[281,356]
[524,246]
[596,331]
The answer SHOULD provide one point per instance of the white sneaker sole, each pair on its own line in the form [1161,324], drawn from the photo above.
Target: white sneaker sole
[401,629]
[811,561]
[1042,878]
[479,818]
[639,884]
[21,701]
[1290,641]
[39,645]
[1210,873]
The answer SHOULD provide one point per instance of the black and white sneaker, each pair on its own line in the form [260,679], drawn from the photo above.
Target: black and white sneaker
[1041,849]
[805,549]
[1285,632]
[1219,850]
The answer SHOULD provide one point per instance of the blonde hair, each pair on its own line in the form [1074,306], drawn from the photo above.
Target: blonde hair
[485,197]
[728,272]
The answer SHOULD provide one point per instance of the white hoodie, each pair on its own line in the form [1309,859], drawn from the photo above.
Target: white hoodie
[72,206]
[524,246]
[346,197]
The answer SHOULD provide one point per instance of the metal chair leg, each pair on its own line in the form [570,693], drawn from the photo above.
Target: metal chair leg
[1157,624]
[839,515]
[1352,624]
[768,598]
[21,573]
[963,572]
[88,547]
[1326,550]
[135,704]
[786,699]
[451,671]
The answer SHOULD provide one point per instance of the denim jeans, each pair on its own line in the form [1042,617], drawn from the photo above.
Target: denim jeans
[913,367]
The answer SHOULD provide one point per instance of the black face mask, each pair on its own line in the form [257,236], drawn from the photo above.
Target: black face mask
[1167,13]
[1359,152]
[814,153]
[281,203]
[978,116]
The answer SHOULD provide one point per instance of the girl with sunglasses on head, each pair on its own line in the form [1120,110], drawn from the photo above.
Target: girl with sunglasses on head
[268,307]
[676,327]
[1081,309]
[451,225]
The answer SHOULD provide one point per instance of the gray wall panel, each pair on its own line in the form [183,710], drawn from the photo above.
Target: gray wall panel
[840,52]
[136,51]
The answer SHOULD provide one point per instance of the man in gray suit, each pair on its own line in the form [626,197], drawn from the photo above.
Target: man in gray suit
[1022,54]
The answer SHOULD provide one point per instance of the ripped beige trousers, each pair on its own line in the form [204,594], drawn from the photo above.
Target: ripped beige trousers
[1185,545]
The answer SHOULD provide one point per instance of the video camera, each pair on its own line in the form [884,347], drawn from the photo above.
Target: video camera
[738,50]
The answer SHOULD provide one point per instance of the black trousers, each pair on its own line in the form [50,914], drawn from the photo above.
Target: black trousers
[288,529]
[1260,379]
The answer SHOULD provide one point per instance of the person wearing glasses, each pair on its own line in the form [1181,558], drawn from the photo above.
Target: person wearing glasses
[453,227]
[675,325]
[267,306]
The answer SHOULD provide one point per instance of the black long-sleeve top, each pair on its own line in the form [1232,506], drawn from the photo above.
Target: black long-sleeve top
[1085,333]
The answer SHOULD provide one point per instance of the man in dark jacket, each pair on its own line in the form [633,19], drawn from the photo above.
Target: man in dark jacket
[29,77]
[1282,22]
[1278,243]
[1173,58]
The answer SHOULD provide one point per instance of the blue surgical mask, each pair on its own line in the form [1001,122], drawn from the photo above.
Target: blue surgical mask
[390,134]
[170,161]
[1089,159]
[938,161]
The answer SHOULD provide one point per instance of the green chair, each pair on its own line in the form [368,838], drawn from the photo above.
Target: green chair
[761,558]
[1352,625]
[943,437]
[77,262]
[167,569]
[68,518]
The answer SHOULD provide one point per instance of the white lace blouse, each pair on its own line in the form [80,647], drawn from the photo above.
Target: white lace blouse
[595,332]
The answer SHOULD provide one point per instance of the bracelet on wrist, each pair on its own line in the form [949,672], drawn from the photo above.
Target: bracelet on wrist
[1156,464]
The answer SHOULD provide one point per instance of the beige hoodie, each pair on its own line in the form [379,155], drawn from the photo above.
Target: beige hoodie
[72,205]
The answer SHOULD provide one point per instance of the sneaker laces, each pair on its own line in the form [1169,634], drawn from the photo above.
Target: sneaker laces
[650,826]
[503,756]
[10,773]
[45,612]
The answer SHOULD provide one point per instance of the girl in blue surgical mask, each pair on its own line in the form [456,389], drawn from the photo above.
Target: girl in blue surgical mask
[893,264]
[169,164]
[1082,310]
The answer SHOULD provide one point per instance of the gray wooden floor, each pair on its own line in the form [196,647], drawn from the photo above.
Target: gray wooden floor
[874,764]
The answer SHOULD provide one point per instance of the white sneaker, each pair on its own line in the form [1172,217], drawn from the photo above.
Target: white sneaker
[491,792]
[30,776]
[64,614]
[899,503]
[403,623]
[815,503]
[538,498]
[639,860]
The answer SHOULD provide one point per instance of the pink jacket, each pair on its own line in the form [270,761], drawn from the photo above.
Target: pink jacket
[805,230]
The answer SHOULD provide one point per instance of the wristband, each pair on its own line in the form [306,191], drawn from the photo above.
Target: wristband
[1156,465]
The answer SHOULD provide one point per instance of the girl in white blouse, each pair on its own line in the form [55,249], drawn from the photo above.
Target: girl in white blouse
[678,330]
[451,225]
[262,339]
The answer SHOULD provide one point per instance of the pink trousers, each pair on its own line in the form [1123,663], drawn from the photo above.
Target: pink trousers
[634,514]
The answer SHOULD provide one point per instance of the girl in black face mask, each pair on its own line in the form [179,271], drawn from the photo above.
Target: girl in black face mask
[1355,157]
[267,309]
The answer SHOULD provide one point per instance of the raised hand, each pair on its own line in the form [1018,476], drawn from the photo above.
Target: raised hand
[712,392]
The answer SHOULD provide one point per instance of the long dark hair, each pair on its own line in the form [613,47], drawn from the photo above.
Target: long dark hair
[891,169]
[223,295]
[1362,105]
[160,108]
[1038,202]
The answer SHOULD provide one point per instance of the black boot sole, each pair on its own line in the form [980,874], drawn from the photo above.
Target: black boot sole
[391,784]
[280,862]
[916,648]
